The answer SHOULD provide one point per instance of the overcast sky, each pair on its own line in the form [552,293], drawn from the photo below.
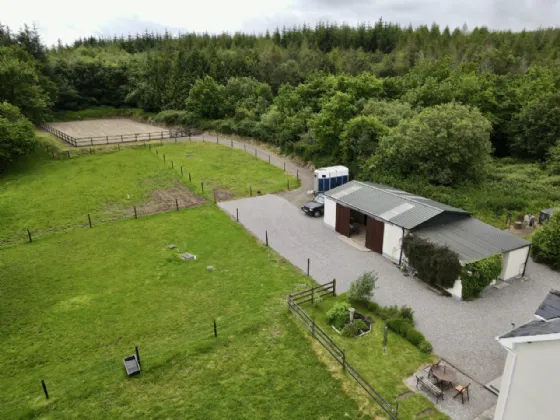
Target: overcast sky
[69,20]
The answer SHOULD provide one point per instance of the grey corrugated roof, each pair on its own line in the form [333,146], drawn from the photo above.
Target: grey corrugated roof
[400,208]
[550,307]
[471,239]
[534,328]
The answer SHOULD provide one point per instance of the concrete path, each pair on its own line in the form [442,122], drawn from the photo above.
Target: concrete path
[463,333]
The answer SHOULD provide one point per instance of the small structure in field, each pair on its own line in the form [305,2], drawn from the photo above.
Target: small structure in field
[330,177]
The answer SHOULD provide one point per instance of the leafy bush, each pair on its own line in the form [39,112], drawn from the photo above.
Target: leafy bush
[415,336]
[386,312]
[546,243]
[177,118]
[407,313]
[350,330]
[361,289]
[476,276]
[434,264]
[338,315]
[361,325]
[399,325]
[16,134]
[425,346]
[101,112]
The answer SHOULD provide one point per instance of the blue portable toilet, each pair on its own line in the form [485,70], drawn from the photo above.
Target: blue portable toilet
[329,178]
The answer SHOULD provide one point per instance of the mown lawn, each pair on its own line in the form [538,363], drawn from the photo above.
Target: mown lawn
[222,168]
[75,303]
[384,371]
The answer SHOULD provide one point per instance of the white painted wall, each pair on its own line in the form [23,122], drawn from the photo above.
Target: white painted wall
[329,216]
[392,238]
[457,289]
[533,385]
[512,263]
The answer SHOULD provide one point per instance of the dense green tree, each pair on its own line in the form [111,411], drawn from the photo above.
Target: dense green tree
[390,113]
[546,243]
[206,99]
[359,139]
[17,136]
[538,127]
[446,144]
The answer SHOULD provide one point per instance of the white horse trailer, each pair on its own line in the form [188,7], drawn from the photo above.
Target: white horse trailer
[328,178]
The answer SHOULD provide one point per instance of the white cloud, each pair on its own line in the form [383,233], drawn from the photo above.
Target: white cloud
[69,20]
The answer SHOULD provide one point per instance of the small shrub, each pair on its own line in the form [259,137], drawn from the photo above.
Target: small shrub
[361,289]
[425,346]
[317,299]
[415,337]
[361,325]
[399,325]
[338,315]
[407,313]
[350,330]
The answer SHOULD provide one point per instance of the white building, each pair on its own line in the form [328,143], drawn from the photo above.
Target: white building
[530,384]
[386,215]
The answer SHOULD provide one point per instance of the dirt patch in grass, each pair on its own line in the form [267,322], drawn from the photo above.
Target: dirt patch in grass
[222,194]
[425,413]
[169,198]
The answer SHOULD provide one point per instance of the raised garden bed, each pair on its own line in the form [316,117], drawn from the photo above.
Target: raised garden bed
[363,327]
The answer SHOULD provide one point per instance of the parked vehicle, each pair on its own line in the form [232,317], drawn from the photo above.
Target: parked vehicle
[316,207]
[329,178]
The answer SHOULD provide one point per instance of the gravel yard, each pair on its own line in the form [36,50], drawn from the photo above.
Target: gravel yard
[463,333]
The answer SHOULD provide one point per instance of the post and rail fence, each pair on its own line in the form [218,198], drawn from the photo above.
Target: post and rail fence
[339,355]
[118,138]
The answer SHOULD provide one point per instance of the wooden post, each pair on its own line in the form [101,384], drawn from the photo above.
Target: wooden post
[121,138]
[189,177]
[53,155]
[45,389]
[157,153]
[312,290]
[181,171]
[91,140]
[268,158]
[313,328]
[297,174]
[89,219]
[119,147]
[136,138]
[334,287]
[202,185]
[215,329]
[237,214]
[149,136]
[107,138]
[135,214]
[344,359]
[149,147]
[90,150]
[137,354]
[177,203]
[308,263]
[68,152]
[164,157]
[218,139]
[231,143]
[250,190]
[245,147]
[162,135]
[288,185]
[29,235]
[266,236]
[255,152]
[284,166]
[171,164]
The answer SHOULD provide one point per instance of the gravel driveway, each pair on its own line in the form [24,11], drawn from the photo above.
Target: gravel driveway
[463,333]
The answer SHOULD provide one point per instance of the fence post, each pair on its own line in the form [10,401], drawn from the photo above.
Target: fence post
[250,190]
[189,177]
[91,140]
[45,389]
[164,157]
[237,214]
[162,135]
[297,174]
[119,147]
[202,185]
[218,139]
[215,329]
[266,236]
[268,158]
[121,138]
[344,359]
[312,288]
[149,136]
[177,203]
[181,171]
[255,152]
[334,287]
[149,147]
[245,147]
[89,219]
[171,164]
[68,152]
[107,138]
[29,235]
[288,185]
[231,143]
[313,328]
[157,153]
[136,138]
[137,353]
[308,263]
[284,166]
[135,214]
[90,150]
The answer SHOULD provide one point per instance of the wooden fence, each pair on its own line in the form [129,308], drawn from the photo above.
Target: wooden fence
[294,301]
[119,138]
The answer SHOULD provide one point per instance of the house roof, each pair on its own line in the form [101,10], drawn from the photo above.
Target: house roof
[471,239]
[550,307]
[398,207]
[534,328]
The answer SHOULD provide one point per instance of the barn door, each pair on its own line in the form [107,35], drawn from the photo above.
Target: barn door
[374,235]
[342,225]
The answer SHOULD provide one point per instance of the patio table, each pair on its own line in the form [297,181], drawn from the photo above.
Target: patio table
[444,374]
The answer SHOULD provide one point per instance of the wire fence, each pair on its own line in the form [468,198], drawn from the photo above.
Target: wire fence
[338,354]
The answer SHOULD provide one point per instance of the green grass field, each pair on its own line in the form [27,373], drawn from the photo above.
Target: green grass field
[76,303]
[385,372]
[220,167]
[42,194]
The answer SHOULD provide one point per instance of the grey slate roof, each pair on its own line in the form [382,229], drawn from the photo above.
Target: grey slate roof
[534,328]
[471,239]
[400,208]
[550,307]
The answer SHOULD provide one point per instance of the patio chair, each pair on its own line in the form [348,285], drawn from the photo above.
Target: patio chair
[462,390]
[430,374]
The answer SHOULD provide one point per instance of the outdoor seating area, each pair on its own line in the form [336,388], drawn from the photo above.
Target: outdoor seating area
[451,390]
